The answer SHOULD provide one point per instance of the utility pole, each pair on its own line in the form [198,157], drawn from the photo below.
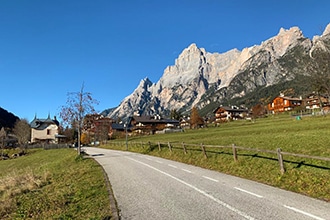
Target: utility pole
[125,125]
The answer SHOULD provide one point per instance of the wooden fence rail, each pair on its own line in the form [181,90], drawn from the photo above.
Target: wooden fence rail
[203,149]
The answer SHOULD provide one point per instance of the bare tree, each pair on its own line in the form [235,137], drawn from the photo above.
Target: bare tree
[22,131]
[78,105]
[2,139]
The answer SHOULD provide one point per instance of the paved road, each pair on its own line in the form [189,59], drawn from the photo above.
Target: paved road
[147,187]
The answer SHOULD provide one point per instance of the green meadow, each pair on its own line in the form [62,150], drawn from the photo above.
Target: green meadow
[308,136]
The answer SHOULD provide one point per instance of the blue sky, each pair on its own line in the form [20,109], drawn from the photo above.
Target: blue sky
[51,47]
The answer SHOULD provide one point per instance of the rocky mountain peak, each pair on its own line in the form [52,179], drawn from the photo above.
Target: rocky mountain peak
[185,68]
[145,83]
[292,31]
[283,41]
[326,30]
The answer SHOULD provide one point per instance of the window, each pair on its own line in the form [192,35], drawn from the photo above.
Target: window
[48,131]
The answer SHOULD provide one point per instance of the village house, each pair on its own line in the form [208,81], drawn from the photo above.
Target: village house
[97,127]
[226,113]
[314,101]
[151,124]
[185,122]
[283,103]
[44,130]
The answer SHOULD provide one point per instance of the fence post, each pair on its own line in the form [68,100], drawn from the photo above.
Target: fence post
[159,146]
[169,146]
[234,152]
[203,149]
[280,160]
[184,148]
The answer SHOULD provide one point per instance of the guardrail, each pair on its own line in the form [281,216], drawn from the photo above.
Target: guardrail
[204,149]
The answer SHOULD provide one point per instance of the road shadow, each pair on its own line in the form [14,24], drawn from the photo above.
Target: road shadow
[96,155]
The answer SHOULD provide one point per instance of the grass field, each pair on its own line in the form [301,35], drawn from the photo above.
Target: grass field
[309,136]
[52,184]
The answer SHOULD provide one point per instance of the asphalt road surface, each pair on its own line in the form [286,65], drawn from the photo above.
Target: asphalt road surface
[148,187]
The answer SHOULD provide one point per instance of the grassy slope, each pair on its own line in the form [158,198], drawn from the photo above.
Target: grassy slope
[310,136]
[52,184]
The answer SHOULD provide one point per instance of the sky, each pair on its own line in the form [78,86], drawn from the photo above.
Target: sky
[49,48]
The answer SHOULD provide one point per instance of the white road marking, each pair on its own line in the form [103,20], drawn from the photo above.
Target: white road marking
[198,190]
[248,192]
[148,158]
[303,212]
[170,165]
[158,161]
[188,171]
[209,178]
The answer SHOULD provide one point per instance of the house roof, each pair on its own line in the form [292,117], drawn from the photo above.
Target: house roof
[41,124]
[153,119]
[288,98]
[230,109]
[117,126]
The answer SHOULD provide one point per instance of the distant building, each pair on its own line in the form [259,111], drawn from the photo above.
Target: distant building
[227,113]
[185,122]
[151,124]
[97,127]
[283,103]
[44,130]
[314,101]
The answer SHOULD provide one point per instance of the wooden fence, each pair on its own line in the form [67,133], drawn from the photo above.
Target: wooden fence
[204,149]
[48,146]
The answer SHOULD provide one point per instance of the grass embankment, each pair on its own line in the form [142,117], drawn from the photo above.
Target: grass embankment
[309,136]
[52,184]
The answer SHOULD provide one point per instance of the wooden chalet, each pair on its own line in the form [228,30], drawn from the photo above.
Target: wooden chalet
[151,124]
[283,103]
[185,122]
[314,101]
[226,113]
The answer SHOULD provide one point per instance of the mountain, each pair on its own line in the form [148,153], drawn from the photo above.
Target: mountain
[7,119]
[206,80]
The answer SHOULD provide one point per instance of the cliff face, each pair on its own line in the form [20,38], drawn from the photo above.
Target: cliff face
[200,78]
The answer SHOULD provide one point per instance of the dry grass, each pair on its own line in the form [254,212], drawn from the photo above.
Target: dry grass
[14,184]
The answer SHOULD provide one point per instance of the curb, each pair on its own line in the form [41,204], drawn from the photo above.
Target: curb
[113,203]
